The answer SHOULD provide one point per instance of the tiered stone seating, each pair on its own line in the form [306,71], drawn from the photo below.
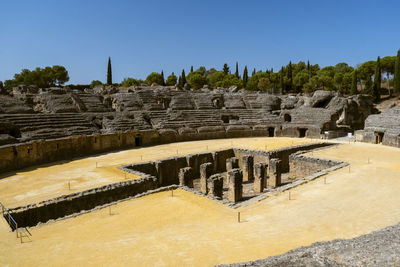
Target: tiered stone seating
[49,126]
[13,105]
[122,123]
[150,100]
[126,102]
[88,102]
[59,102]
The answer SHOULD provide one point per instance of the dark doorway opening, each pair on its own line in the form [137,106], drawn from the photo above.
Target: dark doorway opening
[138,140]
[302,132]
[271,131]
[287,118]
[378,137]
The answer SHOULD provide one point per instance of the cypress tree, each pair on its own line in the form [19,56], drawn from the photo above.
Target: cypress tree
[183,77]
[245,76]
[237,70]
[191,69]
[353,89]
[290,76]
[308,66]
[396,87]
[109,73]
[162,76]
[377,80]
[225,68]
[282,81]
[254,72]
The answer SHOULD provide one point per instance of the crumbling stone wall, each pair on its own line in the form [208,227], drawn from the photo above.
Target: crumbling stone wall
[59,207]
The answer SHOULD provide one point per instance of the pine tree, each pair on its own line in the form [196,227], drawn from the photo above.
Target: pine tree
[245,76]
[191,69]
[225,69]
[396,87]
[282,80]
[109,73]
[377,80]
[237,70]
[290,76]
[162,76]
[353,89]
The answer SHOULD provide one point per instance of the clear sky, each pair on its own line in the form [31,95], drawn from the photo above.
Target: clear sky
[146,36]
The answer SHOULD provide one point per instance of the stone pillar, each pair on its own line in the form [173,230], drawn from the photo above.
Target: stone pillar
[235,177]
[186,177]
[275,169]
[259,177]
[247,167]
[205,172]
[232,163]
[215,185]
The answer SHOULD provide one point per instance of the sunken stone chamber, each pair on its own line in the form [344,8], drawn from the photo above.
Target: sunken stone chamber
[206,174]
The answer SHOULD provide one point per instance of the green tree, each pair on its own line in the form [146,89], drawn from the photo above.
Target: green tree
[264,84]
[368,86]
[237,71]
[377,80]
[196,80]
[290,76]
[154,77]
[172,80]
[162,76]
[216,77]
[387,65]
[254,72]
[353,90]
[182,81]
[301,79]
[282,80]
[396,84]
[127,82]
[47,77]
[95,83]
[252,83]
[346,82]
[191,68]
[229,80]
[226,68]
[109,72]
[245,76]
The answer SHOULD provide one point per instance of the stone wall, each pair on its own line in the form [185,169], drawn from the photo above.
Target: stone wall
[63,206]
[303,166]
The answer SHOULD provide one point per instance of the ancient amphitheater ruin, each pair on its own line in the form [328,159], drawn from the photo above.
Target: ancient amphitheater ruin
[155,175]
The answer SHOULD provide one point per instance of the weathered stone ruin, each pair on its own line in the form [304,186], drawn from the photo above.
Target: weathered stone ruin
[382,128]
[146,115]
[204,174]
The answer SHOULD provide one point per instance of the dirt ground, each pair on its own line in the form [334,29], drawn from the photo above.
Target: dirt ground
[51,180]
[190,230]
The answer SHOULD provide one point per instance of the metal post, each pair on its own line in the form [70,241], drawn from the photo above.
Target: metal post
[324,180]
[238,216]
[16,229]
[69,185]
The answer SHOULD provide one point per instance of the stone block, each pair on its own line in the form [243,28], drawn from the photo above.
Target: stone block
[235,188]
[275,170]
[247,168]
[259,177]
[186,177]
[205,172]
[232,163]
[215,185]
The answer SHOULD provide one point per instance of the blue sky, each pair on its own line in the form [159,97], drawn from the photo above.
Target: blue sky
[146,36]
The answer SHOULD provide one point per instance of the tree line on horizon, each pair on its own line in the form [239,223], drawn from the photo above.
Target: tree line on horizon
[298,77]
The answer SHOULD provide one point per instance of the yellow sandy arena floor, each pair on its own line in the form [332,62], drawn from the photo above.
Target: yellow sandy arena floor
[190,230]
[65,177]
